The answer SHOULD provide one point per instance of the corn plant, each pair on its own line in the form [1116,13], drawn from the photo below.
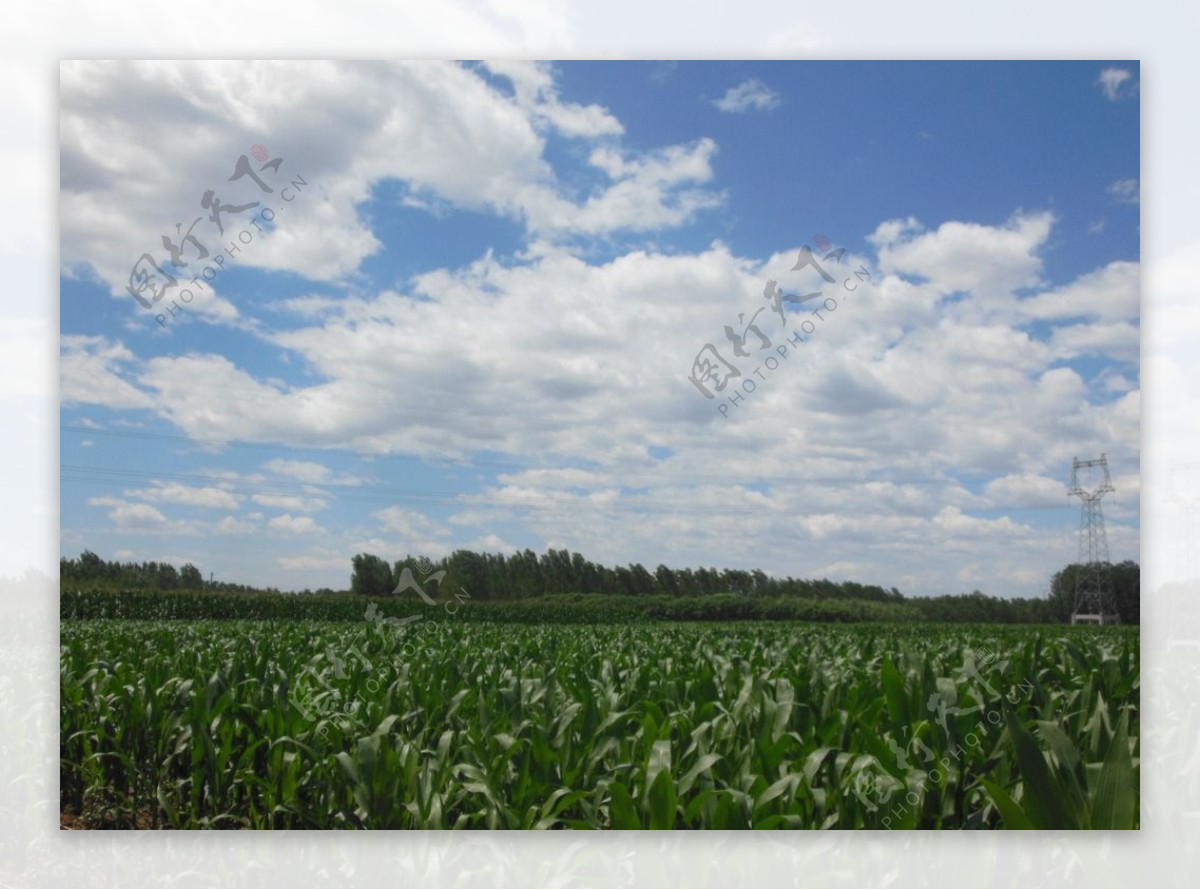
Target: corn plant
[444,724]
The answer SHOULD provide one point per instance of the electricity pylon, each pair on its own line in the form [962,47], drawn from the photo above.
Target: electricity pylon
[1095,602]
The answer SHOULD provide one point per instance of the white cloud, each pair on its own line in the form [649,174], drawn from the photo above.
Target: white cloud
[1116,382]
[1126,191]
[295,525]
[145,518]
[304,470]
[533,85]
[91,372]
[1116,83]
[231,525]
[649,191]
[1119,340]
[609,346]
[441,129]
[290,502]
[988,261]
[750,95]
[104,501]
[858,443]
[491,544]
[193,496]
[132,516]
[1110,293]
[1026,490]
[953,520]
[408,523]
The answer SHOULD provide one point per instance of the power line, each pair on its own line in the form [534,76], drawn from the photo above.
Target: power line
[642,503]
[514,465]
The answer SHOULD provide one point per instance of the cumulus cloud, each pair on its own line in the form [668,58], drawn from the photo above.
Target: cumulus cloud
[492,544]
[408,523]
[535,92]
[648,191]
[1113,341]
[231,525]
[1026,490]
[206,496]
[132,515]
[294,525]
[140,517]
[750,95]
[340,128]
[91,372]
[297,503]
[1116,83]
[556,359]
[1109,293]
[987,261]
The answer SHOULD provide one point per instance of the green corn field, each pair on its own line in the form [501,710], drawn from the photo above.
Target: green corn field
[451,724]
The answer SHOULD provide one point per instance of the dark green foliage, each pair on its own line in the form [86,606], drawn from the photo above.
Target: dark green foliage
[1127,590]
[90,572]
[455,724]
[190,578]
[977,607]
[371,576]
[523,576]
[561,609]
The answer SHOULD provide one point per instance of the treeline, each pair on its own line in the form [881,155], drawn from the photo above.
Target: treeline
[494,576]
[1126,579]
[977,607]
[90,572]
[525,584]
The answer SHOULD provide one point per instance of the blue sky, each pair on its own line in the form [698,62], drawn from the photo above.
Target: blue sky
[473,325]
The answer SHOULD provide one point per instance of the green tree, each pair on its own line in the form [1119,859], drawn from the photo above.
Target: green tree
[1127,586]
[167,576]
[91,565]
[467,571]
[641,581]
[190,577]
[667,583]
[371,576]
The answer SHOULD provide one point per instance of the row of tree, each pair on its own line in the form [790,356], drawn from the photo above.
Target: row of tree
[526,575]
[486,576]
[94,573]
[494,576]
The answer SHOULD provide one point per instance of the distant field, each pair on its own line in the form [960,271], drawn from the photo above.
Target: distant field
[449,723]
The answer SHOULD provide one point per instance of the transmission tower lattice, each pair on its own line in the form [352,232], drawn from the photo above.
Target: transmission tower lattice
[1095,602]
